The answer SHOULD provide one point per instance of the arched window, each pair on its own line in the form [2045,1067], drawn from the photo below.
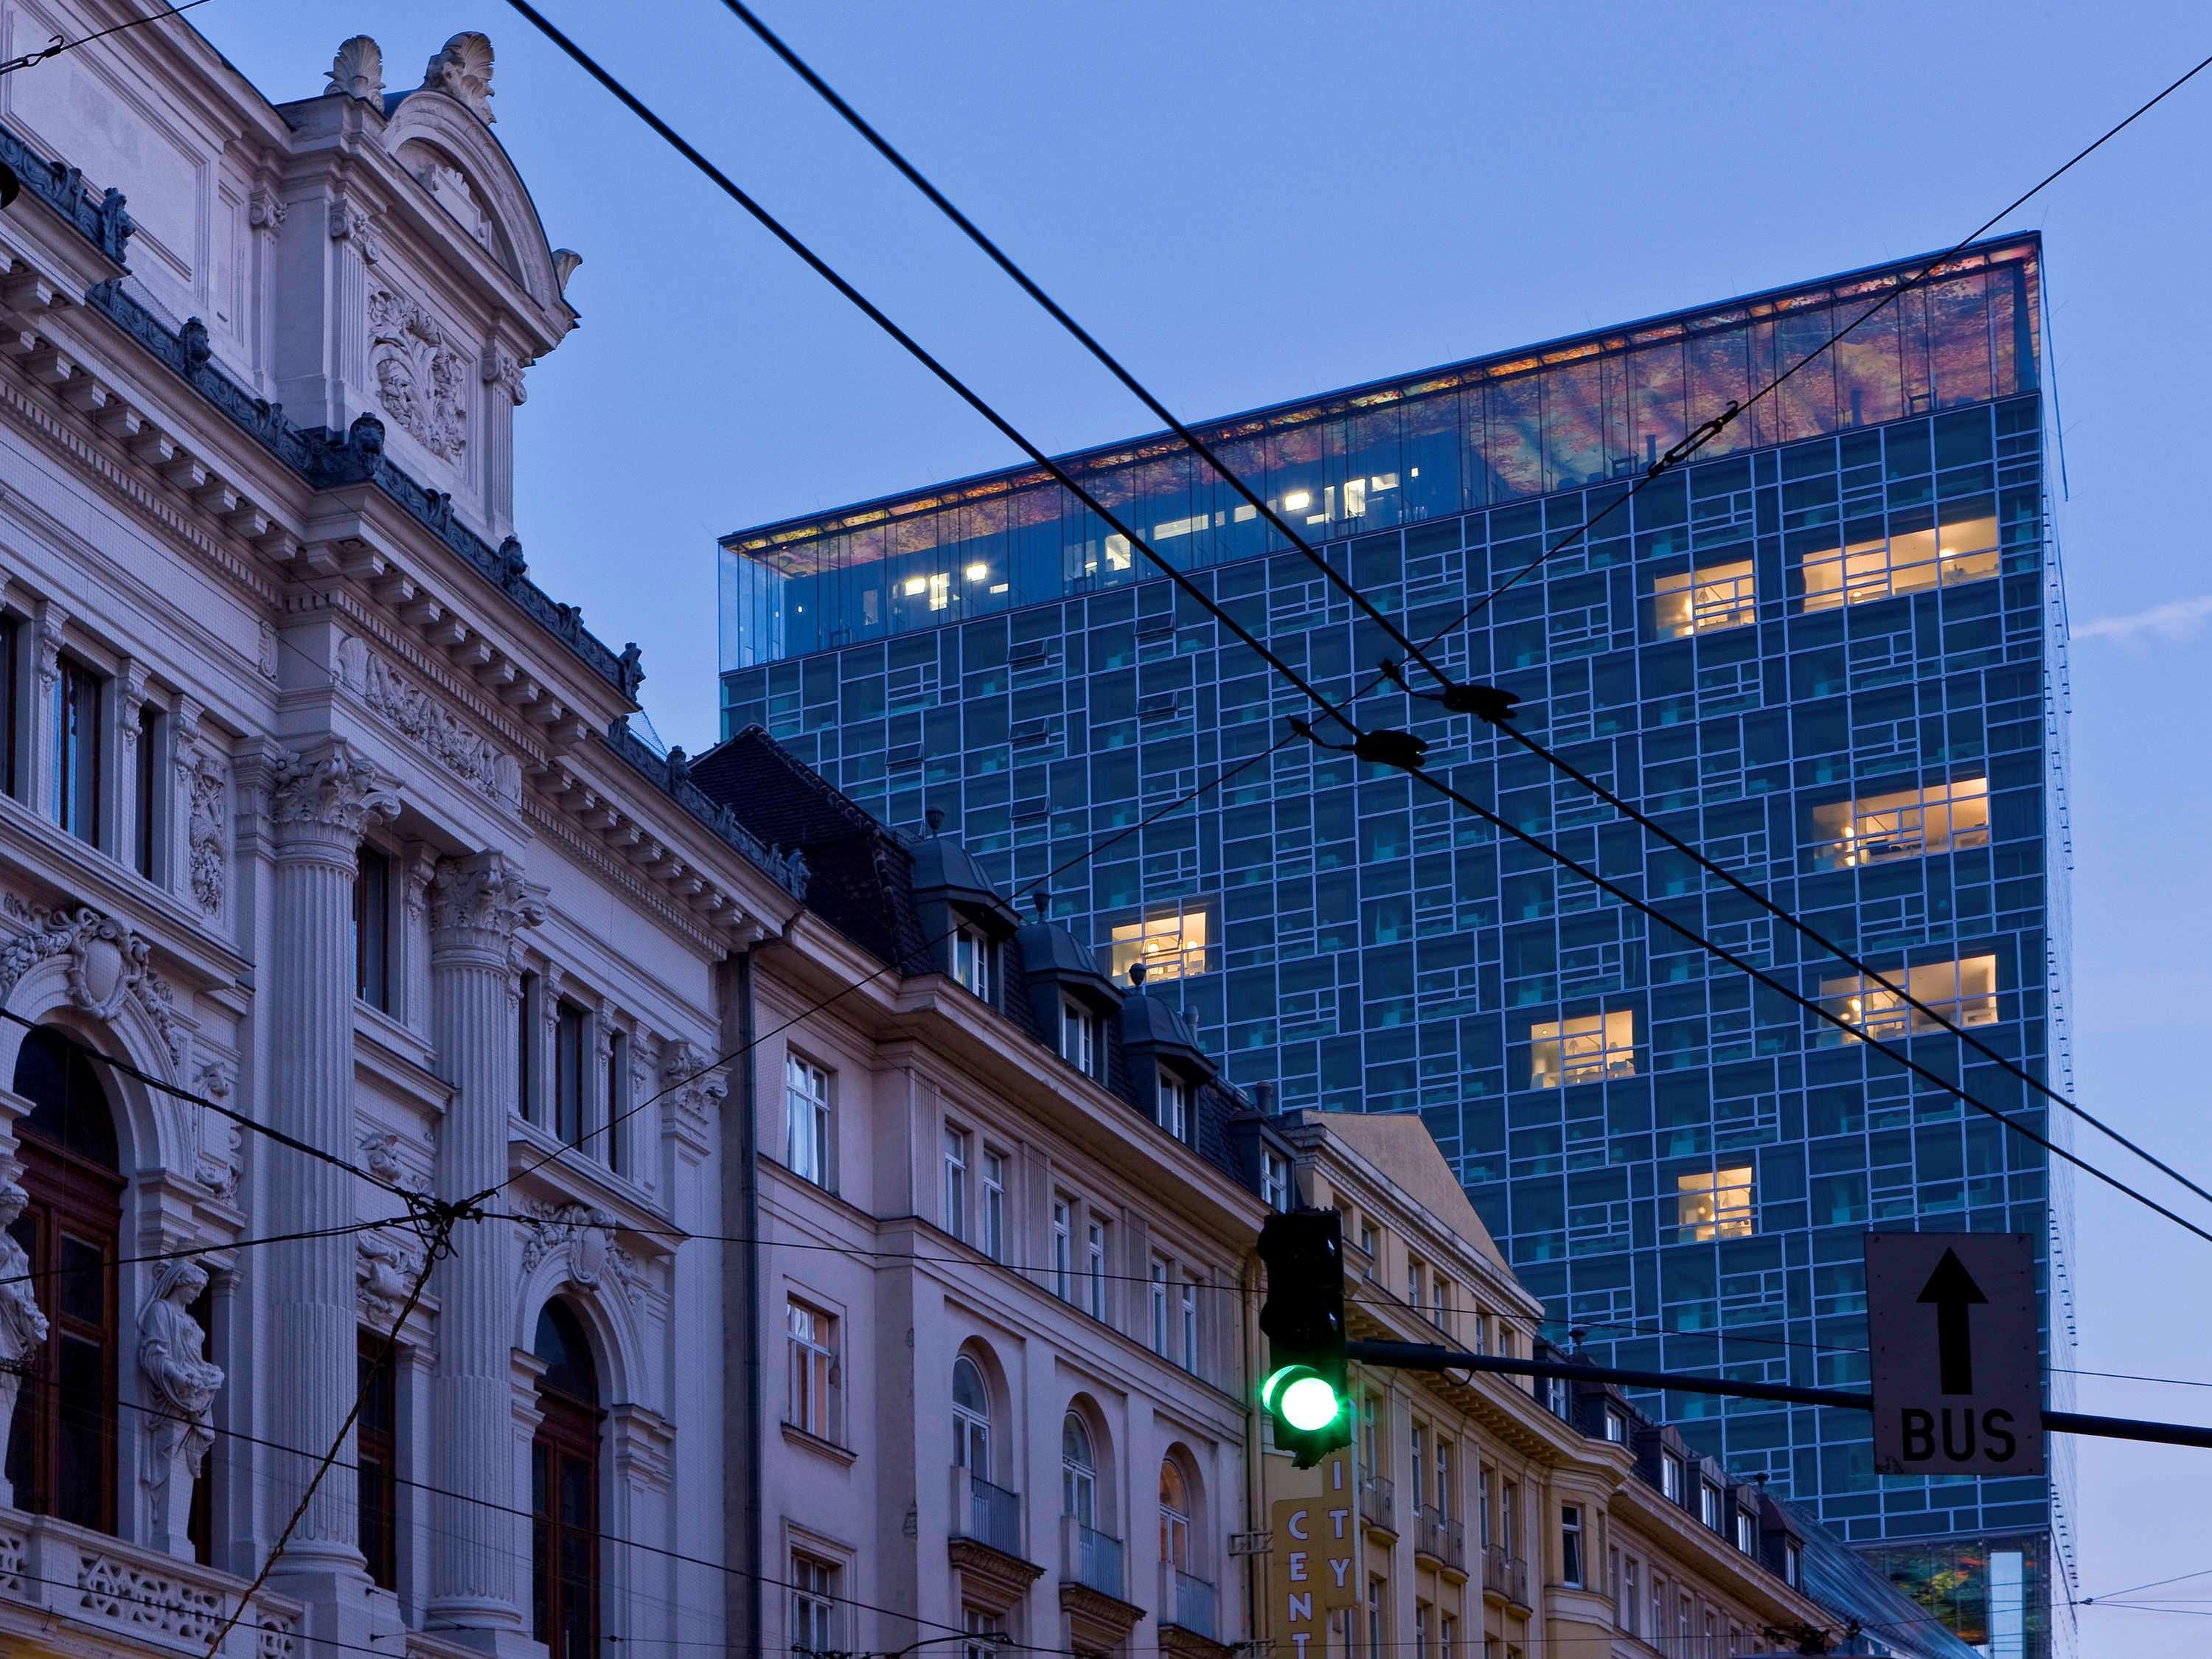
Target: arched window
[564,1490]
[1175,1515]
[971,1418]
[1079,1471]
[61,1448]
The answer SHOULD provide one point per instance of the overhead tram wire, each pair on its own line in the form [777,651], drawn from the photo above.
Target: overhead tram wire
[1674,458]
[1389,748]
[59,46]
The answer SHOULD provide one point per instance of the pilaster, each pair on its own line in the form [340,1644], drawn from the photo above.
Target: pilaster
[48,622]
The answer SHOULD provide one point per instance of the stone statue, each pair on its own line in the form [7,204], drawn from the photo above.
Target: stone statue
[22,1325]
[180,1386]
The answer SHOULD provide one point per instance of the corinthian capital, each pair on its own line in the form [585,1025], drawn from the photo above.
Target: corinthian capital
[480,902]
[329,795]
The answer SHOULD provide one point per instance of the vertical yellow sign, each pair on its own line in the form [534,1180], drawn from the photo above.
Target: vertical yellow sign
[1310,1566]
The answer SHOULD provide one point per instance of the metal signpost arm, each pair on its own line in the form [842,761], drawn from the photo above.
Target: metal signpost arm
[1430,1357]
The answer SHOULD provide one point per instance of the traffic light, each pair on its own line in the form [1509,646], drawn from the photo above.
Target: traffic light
[1303,1319]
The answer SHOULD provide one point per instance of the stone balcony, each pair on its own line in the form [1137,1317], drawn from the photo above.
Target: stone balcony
[86,1583]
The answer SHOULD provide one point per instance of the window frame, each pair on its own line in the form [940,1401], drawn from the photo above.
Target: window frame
[814,1600]
[958,1143]
[571,1047]
[1573,1569]
[1079,1037]
[813,1398]
[1063,1247]
[376,1457]
[1274,1180]
[1176,1103]
[1561,1055]
[809,1124]
[568,1438]
[1096,1248]
[971,955]
[79,780]
[372,978]
[150,818]
[991,1192]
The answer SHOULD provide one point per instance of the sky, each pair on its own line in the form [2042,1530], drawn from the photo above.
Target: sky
[1250,202]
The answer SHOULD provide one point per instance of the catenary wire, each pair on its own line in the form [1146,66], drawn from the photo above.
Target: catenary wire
[2155,1584]
[1089,342]
[815,263]
[1028,286]
[59,46]
[39,1275]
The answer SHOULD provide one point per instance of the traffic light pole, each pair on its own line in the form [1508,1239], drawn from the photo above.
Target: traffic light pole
[1429,1357]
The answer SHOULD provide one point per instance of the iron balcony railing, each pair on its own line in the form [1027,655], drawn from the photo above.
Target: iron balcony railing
[989,1515]
[1186,1602]
[1378,1502]
[1437,1534]
[1090,1557]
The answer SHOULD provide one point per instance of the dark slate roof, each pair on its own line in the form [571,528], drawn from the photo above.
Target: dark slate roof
[1155,1020]
[861,877]
[942,865]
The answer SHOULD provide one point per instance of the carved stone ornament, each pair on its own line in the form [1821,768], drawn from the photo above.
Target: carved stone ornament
[688,1081]
[420,377]
[384,1272]
[22,1323]
[180,1387]
[336,789]
[265,653]
[462,69]
[206,793]
[350,221]
[222,1140]
[358,71]
[584,1239]
[265,211]
[565,261]
[503,370]
[429,724]
[481,901]
[107,964]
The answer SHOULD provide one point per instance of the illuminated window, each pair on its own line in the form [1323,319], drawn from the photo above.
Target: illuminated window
[1963,550]
[1905,823]
[1964,992]
[1699,601]
[1170,943]
[1583,1050]
[1713,1204]
[939,586]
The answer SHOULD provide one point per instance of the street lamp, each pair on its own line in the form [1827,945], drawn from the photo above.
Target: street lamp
[983,1639]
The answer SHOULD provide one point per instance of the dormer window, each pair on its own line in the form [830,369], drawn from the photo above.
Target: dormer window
[971,961]
[1079,1037]
[1792,1570]
[1709,1505]
[1616,1428]
[1745,1540]
[1670,1477]
[1174,1105]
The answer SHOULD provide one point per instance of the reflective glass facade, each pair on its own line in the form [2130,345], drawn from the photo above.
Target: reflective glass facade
[1829,652]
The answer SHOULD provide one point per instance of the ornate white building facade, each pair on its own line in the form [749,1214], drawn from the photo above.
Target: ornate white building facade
[316,811]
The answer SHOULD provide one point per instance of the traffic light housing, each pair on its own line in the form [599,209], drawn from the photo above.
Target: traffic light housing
[1303,1319]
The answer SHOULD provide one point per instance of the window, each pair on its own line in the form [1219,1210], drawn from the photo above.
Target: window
[1658,1630]
[1369,1241]
[813,1604]
[971,961]
[806,1120]
[376,1436]
[971,1418]
[1904,824]
[1170,943]
[11,646]
[1447,1638]
[371,929]
[994,1204]
[618,1096]
[1509,1501]
[1964,992]
[986,1633]
[1189,1325]
[1746,1534]
[1616,1428]
[1631,1605]
[1670,1477]
[1174,1105]
[1419,1435]
[78,749]
[1445,1505]
[1375,1618]
[1094,1264]
[1159,1290]
[812,1337]
[1792,1562]
[1413,1282]
[1063,1249]
[1583,1050]
[1440,1299]
[152,729]
[1421,1620]
[1175,1515]
[1700,601]
[1571,1544]
[1713,1204]
[527,1004]
[956,1182]
[1482,1504]
[1371,1429]
[61,1445]
[1079,1037]
[1274,1180]
[1962,550]
[564,1490]
[571,1040]
[1709,1505]
[1079,1472]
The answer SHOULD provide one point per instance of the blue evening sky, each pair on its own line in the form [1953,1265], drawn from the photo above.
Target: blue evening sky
[1250,202]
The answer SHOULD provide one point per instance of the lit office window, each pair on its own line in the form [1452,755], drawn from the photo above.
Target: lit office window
[1170,943]
[1963,550]
[1904,824]
[1713,1204]
[1700,601]
[1964,992]
[1583,1050]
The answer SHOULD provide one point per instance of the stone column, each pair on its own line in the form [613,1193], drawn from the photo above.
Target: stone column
[477,904]
[319,806]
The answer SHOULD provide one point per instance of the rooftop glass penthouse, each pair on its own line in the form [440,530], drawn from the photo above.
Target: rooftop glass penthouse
[1824,652]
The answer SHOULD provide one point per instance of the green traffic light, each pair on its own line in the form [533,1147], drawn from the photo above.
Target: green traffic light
[1309,1403]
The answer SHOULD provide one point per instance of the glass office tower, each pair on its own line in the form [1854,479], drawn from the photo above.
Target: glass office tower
[1829,652]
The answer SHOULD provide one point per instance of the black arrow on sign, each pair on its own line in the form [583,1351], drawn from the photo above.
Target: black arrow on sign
[1952,1290]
